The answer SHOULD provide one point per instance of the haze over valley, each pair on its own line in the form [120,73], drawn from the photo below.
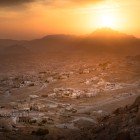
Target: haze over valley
[69,70]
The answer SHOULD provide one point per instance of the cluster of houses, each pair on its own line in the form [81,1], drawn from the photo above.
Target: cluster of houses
[74,93]
[32,110]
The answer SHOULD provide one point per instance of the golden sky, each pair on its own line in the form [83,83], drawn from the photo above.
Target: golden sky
[28,19]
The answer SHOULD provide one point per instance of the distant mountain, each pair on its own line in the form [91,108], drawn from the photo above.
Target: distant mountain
[52,43]
[10,42]
[58,37]
[108,40]
[15,49]
[7,42]
[52,49]
[102,40]
[108,33]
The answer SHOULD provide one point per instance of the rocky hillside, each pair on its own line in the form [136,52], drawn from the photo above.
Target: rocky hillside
[123,124]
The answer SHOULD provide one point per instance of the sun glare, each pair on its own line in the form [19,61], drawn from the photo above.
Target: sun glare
[107,20]
[106,15]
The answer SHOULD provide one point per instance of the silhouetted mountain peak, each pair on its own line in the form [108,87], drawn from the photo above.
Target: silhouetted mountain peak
[57,36]
[109,33]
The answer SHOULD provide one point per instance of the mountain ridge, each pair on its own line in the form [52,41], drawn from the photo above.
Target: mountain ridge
[105,31]
[101,40]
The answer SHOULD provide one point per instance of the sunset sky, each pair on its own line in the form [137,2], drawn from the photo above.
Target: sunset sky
[29,19]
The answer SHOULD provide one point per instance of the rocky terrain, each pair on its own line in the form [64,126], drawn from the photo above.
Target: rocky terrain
[58,93]
[79,102]
[122,124]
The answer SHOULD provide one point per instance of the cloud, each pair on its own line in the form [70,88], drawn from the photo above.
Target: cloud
[9,3]
[13,3]
[84,1]
[70,2]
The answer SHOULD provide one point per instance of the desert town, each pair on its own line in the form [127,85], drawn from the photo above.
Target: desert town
[53,101]
[69,69]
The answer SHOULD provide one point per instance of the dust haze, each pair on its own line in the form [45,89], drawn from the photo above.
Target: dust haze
[70,87]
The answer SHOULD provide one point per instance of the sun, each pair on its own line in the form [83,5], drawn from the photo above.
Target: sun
[107,20]
[105,17]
